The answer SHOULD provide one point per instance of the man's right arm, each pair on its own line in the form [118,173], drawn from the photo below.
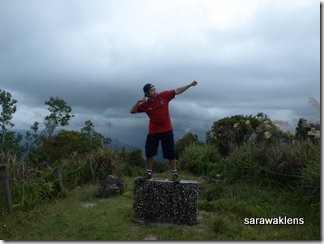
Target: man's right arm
[134,109]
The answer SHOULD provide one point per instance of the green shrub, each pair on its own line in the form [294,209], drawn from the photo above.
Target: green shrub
[75,173]
[238,164]
[295,164]
[184,142]
[307,130]
[130,163]
[311,178]
[220,225]
[231,132]
[106,162]
[31,187]
[199,159]
[310,153]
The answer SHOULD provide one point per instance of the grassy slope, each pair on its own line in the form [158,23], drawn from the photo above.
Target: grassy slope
[220,218]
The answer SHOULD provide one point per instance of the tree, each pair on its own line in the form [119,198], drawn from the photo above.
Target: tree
[8,107]
[59,114]
[66,143]
[9,142]
[11,149]
[95,139]
[31,138]
[61,146]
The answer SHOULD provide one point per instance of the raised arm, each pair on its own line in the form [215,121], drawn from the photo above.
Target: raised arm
[134,109]
[184,88]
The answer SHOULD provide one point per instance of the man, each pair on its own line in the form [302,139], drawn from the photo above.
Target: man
[160,126]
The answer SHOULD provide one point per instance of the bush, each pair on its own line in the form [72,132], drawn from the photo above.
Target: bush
[29,187]
[75,173]
[130,163]
[311,178]
[184,141]
[231,132]
[307,130]
[311,170]
[106,162]
[199,159]
[296,164]
[239,163]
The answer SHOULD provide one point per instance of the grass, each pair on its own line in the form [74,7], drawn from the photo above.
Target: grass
[226,213]
[222,209]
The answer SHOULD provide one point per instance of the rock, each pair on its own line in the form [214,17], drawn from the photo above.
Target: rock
[88,205]
[214,179]
[165,201]
[150,238]
[111,186]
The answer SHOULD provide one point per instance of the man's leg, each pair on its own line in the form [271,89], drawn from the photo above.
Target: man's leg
[151,146]
[175,176]
[149,165]
[169,153]
[173,164]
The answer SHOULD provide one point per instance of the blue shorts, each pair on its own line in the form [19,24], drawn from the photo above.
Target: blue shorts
[167,142]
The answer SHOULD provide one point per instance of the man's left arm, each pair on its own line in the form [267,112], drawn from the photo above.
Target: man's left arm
[184,88]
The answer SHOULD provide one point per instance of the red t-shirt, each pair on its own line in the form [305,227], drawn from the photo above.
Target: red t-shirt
[158,112]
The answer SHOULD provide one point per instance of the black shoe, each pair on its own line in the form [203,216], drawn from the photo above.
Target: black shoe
[146,177]
[175,178]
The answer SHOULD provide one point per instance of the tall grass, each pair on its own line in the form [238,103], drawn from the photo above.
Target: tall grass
[222,209]
[295,164]
[31,186]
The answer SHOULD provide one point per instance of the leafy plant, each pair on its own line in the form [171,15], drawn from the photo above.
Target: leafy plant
[231,132]
[199,159]
[95,139]
[131,163]
[9,141]
[59,114]
[186,140]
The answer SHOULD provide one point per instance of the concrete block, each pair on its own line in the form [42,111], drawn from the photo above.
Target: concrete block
[158,200]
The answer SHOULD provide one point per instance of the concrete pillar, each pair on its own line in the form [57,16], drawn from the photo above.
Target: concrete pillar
[158,200]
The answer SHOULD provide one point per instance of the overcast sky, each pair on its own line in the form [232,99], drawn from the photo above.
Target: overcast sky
[248,56]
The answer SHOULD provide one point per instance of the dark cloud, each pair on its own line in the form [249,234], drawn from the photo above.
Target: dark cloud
[98,56]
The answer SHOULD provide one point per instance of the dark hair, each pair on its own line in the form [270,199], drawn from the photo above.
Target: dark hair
[147,87]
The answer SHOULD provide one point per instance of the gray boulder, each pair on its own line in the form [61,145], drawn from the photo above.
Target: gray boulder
[111,186]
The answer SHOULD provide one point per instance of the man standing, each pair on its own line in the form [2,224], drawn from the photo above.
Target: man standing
[160,126]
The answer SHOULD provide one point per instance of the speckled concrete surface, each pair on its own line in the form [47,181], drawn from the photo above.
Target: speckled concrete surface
[158,200]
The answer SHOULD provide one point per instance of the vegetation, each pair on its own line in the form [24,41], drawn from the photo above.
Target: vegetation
[199,159]
[59,114]
[222,209]
[248,167]
[254,149]
[186,140]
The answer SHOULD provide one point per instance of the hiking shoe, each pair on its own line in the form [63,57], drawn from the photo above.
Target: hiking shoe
[146,177]
[175,178]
